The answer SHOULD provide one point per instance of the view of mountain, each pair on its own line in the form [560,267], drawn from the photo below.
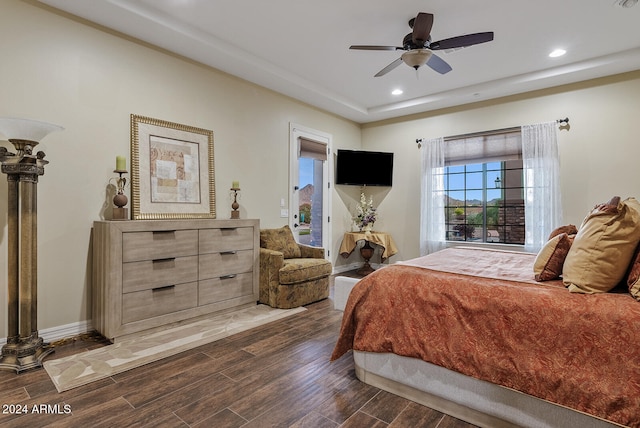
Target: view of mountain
[305,194]
[452,202]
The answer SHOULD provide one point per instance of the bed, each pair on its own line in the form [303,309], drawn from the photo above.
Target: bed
[470,332]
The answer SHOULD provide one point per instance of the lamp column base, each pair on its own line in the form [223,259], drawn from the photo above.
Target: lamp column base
[22,354]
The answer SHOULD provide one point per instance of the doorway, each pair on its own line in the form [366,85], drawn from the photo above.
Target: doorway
[309,180]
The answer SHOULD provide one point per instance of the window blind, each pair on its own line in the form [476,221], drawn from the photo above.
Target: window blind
[483,148]
[312,149]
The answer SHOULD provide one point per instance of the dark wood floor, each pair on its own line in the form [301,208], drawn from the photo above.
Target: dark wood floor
[276,375]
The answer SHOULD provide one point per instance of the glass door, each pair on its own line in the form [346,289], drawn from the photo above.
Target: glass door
[309,175]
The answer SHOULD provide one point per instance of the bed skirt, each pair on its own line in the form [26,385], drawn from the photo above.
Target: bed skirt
[475,401]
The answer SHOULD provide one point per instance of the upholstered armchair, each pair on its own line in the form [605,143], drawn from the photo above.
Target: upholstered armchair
[291,274]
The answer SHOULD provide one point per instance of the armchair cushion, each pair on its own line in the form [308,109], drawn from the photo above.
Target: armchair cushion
[300,270]
[280,240]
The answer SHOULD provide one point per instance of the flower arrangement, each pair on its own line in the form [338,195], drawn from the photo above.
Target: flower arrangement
[365,213]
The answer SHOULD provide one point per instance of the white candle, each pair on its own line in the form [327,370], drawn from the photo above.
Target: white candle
[235,184]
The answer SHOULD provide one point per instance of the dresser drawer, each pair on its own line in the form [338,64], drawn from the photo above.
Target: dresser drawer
[159,244]
[226,239]
[214,265]
[218,289]
[147,274]
[151,303]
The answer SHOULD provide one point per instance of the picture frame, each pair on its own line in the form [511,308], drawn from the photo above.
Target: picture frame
[172,170]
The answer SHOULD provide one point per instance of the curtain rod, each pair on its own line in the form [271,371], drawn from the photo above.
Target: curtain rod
[478,134]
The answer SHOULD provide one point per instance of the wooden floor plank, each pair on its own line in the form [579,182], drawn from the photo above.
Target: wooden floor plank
[314,420]
[223,419]
[361,419]
[346,402]
[386,406]
[415,415]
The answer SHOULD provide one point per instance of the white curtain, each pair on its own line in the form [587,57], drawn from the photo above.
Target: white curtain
[432,222]
[543,208]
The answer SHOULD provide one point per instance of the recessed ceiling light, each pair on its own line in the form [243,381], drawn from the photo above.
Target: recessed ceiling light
[397,92]
[557,52]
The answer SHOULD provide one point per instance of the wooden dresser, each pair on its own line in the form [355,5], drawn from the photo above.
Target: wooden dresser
[151,273]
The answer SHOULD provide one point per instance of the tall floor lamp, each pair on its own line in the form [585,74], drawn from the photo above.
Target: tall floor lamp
[24,348]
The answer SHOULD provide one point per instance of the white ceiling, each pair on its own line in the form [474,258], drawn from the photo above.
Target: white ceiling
[301,47]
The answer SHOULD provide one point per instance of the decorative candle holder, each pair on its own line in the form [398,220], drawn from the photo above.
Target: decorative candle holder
[120,199]
[235,205]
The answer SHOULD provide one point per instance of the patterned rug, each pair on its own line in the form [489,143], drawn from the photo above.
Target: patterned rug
[80,369]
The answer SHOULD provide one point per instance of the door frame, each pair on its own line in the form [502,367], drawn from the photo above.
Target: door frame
[297,131]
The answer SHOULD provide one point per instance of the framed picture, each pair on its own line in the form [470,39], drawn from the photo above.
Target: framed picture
[172,174]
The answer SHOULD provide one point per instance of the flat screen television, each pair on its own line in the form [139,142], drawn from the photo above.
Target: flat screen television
[364,168]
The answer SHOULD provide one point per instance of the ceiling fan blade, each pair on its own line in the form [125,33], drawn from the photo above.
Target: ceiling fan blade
[422,29]
[389,67]
[375,48]
[438,64]
[462,41]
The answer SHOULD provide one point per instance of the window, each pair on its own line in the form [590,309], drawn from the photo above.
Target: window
[484,202]
[483,188]
[531,186]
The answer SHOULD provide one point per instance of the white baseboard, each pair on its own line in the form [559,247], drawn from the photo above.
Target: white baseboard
[346,268]
[61,332]
[354,266]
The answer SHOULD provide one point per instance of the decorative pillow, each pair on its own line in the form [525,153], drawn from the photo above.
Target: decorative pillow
[633,276]
[550,259]
[280,240]
[569,229]
[609,207]
[603,247]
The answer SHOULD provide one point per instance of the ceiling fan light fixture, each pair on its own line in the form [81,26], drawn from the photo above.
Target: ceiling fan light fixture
[416,57]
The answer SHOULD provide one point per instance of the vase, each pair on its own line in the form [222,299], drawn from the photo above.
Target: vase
[367,228]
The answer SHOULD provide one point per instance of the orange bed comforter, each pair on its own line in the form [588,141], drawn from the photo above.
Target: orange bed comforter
[481,313]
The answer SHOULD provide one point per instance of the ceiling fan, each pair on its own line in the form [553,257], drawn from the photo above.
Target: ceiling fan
[418,46]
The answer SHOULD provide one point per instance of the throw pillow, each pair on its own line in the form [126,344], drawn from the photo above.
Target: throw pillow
[280,240]
[569,229]
[603,247]
[633,276]
[550,259]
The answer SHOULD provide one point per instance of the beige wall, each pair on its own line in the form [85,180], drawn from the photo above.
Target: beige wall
[57,69]
[63,71]
[598,154]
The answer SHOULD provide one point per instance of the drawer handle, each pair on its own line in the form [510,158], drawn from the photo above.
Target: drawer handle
[168,259]
[166,287]
[228,228]
[228,252]
[159,232]
[233,275]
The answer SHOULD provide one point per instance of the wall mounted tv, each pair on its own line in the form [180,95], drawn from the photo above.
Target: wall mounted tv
[364,168]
